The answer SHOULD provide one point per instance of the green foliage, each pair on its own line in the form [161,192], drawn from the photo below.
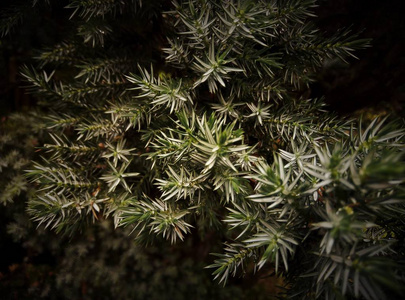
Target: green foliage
[221,135]
[17,147]
[107,264]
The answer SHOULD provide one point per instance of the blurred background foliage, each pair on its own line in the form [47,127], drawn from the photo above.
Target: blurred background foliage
[104,263]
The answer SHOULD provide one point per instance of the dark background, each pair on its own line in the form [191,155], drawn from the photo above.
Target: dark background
[376,80]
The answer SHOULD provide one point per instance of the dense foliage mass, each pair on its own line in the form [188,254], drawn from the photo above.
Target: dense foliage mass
[100,262]
[201,121]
